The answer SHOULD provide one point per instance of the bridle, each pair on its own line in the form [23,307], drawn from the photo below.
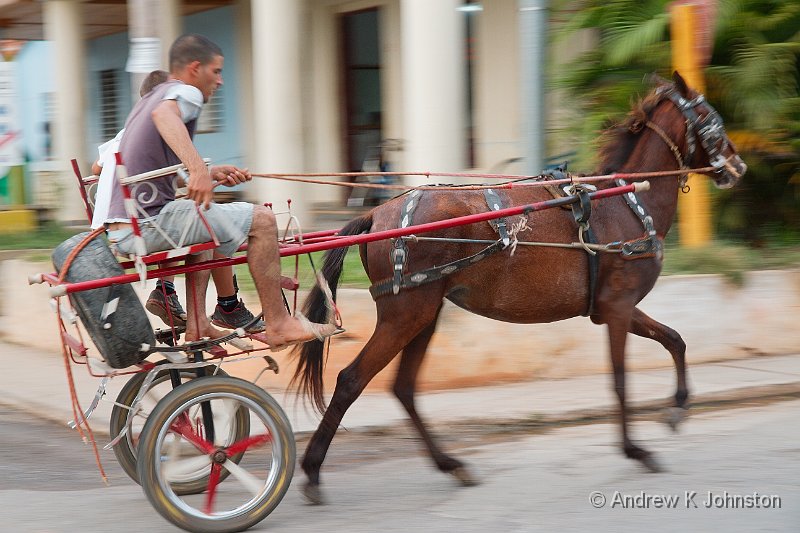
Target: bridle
[709,129]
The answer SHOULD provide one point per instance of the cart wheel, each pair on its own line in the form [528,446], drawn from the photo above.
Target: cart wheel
[254,488]
[125,449]
[120,337]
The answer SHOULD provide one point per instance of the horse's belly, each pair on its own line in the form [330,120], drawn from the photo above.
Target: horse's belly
[521,306]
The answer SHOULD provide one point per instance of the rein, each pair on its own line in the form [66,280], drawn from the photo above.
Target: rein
[513,182]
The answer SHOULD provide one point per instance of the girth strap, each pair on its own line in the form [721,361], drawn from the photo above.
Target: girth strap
[582,211]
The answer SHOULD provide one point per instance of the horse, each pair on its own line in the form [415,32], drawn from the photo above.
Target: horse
[671,128]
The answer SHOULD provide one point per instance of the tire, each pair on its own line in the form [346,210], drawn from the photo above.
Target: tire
[125,449]
[261,480]
[129,328]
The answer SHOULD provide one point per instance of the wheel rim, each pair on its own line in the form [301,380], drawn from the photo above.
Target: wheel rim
[178,457]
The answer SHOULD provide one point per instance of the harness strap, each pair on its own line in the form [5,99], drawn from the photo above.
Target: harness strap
[399,248]
[582,211]
[409,281]
[500,225]
[648,246]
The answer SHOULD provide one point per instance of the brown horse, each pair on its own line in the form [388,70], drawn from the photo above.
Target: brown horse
[672,128]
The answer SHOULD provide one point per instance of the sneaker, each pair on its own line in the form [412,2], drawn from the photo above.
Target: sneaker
[157,305]
[238,318]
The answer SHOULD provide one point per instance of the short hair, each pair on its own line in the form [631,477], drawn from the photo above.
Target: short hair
[192,47]
[157,77]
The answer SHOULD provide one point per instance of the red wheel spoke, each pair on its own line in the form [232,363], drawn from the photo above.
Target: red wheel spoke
[244,444]
[183,427]
[211,493]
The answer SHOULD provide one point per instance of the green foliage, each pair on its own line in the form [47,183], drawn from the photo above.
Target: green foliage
[752,79]
[47,237]
[353,275]
[730,259]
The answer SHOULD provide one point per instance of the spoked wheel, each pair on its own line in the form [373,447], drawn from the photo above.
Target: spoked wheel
[172,443]
[125,449]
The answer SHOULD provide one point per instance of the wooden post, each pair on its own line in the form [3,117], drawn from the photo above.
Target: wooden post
[694,209]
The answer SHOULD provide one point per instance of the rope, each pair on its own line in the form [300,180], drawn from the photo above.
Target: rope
[517,227]
[308,178]
[75,251]
[77,411]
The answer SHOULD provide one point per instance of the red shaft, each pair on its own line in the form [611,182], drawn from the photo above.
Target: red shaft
[350,240]
[341,241]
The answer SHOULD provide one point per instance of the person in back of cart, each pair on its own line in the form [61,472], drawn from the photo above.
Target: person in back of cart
[158,134]
[230,312]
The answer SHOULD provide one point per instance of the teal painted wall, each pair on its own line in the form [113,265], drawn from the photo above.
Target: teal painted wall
[36,79]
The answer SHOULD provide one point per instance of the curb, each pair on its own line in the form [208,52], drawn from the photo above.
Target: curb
[729,399]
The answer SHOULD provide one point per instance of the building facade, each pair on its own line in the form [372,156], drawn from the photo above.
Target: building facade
[310,85]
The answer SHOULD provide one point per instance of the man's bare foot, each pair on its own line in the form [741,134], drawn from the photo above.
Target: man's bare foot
[205,331]
[288,283]
[296,330]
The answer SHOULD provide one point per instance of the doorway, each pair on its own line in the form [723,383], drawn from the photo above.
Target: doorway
[362,87]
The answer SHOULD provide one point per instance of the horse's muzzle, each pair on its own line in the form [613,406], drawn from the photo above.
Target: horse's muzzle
[730,172]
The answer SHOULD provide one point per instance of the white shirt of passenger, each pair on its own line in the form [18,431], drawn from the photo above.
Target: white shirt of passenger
[102,198]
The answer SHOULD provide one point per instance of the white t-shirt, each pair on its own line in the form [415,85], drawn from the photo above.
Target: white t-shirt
[102,198]
[189,98]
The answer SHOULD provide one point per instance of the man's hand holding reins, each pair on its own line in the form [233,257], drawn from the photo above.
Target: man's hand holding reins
[230,175]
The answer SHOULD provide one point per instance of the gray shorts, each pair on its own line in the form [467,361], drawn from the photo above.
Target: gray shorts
[181,223]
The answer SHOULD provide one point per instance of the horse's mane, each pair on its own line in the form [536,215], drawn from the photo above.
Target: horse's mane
[618,141]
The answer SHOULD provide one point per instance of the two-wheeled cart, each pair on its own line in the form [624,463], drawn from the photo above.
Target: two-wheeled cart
[212,452]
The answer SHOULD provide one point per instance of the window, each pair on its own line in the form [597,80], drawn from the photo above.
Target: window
[110,122]
[210,120]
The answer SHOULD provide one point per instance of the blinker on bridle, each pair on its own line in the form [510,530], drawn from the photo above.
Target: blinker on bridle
[709,129]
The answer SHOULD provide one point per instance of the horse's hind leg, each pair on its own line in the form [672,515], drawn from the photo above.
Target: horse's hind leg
[405,387]
[644,326]
[397,325]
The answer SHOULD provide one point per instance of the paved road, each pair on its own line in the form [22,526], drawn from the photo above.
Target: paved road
[543,481]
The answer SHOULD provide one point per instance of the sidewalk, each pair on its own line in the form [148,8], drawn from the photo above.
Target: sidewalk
[35,382]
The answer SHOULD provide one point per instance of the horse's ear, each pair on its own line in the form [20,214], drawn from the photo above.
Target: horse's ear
[680,84]
[655,79]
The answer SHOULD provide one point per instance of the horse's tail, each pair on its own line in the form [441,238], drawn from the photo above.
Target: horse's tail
[311,364]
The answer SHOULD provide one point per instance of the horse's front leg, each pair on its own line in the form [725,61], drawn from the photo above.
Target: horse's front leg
[618,327]
[644,326]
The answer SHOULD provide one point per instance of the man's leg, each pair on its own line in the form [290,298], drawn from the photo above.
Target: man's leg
[265,267]
[230,311]
[198,325]
[163,302]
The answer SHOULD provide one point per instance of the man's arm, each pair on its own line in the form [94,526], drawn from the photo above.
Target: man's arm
[169,123]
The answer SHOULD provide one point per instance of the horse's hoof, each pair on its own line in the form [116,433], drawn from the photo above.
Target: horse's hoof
[313,494]
[464,477]
[674,416]
[650,463]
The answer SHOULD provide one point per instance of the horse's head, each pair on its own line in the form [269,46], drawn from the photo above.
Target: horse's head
[703,123]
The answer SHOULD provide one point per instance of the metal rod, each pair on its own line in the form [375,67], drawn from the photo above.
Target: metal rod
[599,247]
